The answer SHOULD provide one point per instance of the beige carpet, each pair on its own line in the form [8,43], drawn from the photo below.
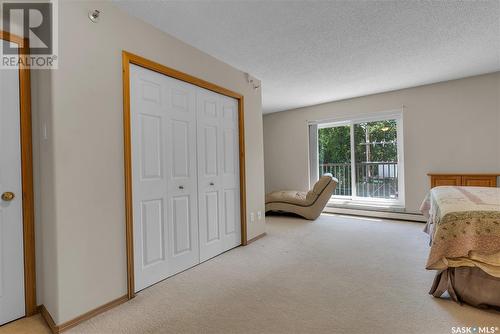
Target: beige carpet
[336,275]
[31,325]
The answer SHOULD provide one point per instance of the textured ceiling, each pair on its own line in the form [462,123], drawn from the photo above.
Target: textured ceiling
[309,52]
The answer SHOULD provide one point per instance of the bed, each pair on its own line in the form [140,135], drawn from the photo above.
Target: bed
[464,228]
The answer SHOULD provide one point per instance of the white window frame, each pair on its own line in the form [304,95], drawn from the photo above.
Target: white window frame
[366,201]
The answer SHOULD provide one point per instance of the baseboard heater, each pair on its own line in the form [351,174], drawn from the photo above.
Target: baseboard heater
[376,213]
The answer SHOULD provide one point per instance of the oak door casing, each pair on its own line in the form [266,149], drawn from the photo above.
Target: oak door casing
[127,60]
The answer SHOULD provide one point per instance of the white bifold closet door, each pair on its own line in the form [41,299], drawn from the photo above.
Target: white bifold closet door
[185,188]
[218,173]
[163,133]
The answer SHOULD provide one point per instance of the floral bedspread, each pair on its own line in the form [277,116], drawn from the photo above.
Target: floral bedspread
[461,220]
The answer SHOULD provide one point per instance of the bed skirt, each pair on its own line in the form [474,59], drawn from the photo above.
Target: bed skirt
[469,285]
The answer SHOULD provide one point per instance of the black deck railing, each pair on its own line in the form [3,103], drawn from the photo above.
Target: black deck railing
[373,179]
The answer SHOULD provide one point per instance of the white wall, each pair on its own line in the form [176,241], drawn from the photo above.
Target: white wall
[81,220]
[43,177]
[452,126]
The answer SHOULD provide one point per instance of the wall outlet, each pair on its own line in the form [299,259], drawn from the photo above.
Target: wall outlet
[259,215]
[252,217]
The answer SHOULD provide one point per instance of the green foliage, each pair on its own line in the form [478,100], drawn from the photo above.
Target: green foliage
[379,139]
[334,145]
[373,142]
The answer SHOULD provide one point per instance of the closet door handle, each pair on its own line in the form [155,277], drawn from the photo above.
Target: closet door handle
[181,187]
[211,183]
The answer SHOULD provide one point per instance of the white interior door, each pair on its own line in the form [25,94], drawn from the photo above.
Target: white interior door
[12,304]
[218,174]
[230,174]
[163,132]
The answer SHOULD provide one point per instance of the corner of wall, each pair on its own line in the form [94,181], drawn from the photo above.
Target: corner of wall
[44,191]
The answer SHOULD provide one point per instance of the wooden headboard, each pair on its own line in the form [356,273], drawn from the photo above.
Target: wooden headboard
[472,180]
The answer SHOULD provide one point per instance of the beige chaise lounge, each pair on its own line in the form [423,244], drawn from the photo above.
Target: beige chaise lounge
[306,204]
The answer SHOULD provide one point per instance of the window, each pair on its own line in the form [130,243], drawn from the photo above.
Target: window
[365,155]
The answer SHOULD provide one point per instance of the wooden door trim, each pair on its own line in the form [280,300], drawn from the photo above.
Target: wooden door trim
[127,59]
[26,174]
